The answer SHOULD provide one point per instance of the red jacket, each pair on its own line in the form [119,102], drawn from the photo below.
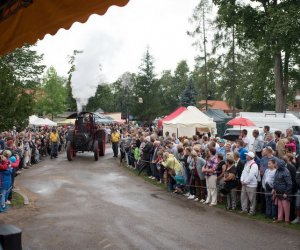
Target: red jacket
[4,164]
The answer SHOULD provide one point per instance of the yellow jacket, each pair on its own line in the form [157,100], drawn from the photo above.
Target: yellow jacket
[115,137]
[172,163]
[54,137]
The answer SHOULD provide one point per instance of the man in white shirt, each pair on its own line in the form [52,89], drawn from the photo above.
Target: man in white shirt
[249,184]
[245,138]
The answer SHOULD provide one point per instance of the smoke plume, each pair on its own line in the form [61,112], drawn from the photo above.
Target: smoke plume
[86,77]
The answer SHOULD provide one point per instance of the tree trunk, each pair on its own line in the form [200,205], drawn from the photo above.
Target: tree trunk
[280,92]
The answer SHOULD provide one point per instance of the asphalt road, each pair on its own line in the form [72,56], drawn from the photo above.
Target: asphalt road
[85,204]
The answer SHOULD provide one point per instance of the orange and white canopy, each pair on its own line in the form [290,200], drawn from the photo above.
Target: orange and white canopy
[26,21]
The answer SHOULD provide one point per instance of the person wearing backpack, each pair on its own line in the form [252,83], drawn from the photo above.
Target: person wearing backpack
[249,181]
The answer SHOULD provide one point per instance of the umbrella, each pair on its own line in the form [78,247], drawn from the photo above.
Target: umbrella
[240,121]
[26,21]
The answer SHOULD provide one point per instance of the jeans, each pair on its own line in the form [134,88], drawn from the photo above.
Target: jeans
[271,209]
[115,148]
[54,149]
[3,197]
[154,170]
[231,199]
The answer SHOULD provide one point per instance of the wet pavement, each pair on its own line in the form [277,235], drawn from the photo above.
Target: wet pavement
[85,204]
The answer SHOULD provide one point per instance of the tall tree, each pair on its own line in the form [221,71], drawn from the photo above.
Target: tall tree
[272,27]
[169,97]
[26,65]
[19,78]
[200,19]
[52,96]
[146,89]
[70,100]
[188,97]
[103,99]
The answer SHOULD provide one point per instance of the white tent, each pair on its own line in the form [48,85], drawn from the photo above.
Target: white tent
[188,122]
[48,122]
[36,121]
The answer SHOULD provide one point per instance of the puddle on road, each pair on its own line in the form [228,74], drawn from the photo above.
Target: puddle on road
[49,187]
[114,189]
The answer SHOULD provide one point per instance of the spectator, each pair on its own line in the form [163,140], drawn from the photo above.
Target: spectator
[280,144]
[230,175]
[281,191]
[197,177]
[54,140]
[297,204]
[210,171]
[258,143]
[268,184]
[270,142]
[289,160]
[249,184]
[115,140]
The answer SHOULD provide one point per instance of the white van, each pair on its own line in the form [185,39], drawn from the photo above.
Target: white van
[234,133]
[280,121]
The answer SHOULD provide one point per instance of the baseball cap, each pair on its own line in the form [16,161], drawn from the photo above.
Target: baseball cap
[250,154]
[221,141]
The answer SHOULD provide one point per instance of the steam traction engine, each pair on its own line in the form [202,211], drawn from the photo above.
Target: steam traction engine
[87,135]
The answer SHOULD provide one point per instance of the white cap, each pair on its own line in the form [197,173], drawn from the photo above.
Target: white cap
[250,154]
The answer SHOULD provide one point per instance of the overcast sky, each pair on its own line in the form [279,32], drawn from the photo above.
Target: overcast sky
[119,38]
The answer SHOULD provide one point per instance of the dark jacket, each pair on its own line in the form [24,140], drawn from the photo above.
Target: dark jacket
[292,170]
[147,151]
[239,169]
[282,181]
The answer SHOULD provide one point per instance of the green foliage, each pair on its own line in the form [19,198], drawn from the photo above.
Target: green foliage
[103,99]
[189,95]
[19,79]
[70,100]
[271,27]
[52,94]
[26,64]
[146,87]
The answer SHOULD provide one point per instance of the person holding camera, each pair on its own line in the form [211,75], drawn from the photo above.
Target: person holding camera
[282,188]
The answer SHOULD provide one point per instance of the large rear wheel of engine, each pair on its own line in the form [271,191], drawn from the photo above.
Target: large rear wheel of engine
[69,151]
[96,151]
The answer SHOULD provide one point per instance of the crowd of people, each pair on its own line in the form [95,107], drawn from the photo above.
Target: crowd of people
[248,176]
[20,150]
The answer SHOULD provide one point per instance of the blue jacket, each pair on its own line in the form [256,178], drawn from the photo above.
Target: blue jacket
[243,152]
[282,180]
[6,178]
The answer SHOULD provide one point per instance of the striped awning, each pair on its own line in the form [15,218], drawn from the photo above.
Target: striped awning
[26,21]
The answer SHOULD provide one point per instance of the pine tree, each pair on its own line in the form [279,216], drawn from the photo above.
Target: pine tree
[188,97]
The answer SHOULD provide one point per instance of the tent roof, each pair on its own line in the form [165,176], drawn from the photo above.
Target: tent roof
[171,116]
[192,116]
[27,21]
[218,115]
[174,114]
